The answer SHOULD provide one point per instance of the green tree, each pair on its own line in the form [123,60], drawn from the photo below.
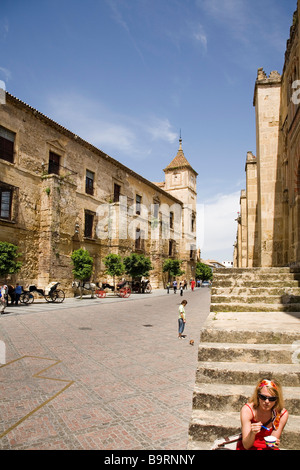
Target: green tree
[83,265]
[8,259]
[137,265]
[114,266]
[173,267]
[203,272]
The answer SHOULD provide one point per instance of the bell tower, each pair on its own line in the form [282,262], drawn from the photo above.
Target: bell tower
[181,182]
[181,179]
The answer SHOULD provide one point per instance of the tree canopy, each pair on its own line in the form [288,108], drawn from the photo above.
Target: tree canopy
[114,265]
[8,259]
[83,264]
[173,267]
[203,272]
[137,265]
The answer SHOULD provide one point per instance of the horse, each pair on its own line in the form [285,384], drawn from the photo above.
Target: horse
[84,286]
[105,285]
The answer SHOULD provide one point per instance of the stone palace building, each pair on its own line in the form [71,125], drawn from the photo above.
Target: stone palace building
[59,193]
[269,220]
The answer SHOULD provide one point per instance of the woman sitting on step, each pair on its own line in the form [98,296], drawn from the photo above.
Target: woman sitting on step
[263,416]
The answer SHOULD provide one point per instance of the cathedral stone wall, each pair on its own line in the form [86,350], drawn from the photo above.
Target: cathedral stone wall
[273,192]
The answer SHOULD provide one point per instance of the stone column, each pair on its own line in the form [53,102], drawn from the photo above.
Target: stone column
[251,191]
[267,106]
[244,230]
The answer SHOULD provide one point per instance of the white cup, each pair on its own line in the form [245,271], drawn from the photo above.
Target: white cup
[270,441]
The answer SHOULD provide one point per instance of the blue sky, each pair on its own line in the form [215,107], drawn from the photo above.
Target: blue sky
[127,75]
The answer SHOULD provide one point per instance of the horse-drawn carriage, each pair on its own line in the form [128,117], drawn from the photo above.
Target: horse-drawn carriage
[84,287]
[122,290]
[141,287]
[51,293]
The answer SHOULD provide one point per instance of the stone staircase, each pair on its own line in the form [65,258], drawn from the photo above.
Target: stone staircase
[256,290]
[238,346]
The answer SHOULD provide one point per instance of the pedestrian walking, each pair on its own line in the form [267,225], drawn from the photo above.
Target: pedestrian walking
[18,292]
[193,284]
[168,288]
[175,286]
[3,300]
[181,319]
[181,288]
[11,294]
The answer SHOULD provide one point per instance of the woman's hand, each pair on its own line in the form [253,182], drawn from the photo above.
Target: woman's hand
[256,427]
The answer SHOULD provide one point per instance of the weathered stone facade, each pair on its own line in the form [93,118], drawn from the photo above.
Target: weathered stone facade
[270,213]
[59,193]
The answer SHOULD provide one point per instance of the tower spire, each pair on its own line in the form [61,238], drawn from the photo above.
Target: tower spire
[180,141]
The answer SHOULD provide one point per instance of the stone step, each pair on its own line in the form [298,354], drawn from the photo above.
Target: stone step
[225,397]
[262,276]
[253,337]
[230,283]
[198,445]
[255,299]
[254,307]
[244,327]
[238,352]
[207,426]
[251,333]
[255,291]
[246,374]
[279,270]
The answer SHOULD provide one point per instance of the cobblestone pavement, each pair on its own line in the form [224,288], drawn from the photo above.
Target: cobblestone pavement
[99,374]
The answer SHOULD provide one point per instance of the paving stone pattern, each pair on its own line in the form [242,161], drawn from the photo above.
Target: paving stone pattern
[96,374]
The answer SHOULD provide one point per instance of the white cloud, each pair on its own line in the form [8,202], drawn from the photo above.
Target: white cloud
[117,14]
[110,131]
[187,32]
[5,73]
[216,229]
[161,129]
[199,35]
[226,10]
[242,17]
[235,15]
[118,17]
[4,28]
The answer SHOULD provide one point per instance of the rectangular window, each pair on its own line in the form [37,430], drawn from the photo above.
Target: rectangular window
[7,139]
[88,224]
[192,251]
[5,203]
[117,192]
[138,201]
[139,239]
[54,162]
[193,223]
[155,209]
[171,219]
[89,182]
[171,247]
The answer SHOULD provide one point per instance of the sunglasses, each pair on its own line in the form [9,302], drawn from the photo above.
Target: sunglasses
[264,397]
